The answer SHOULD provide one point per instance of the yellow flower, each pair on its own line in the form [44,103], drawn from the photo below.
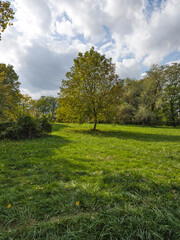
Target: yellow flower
[9,206]
[77,203]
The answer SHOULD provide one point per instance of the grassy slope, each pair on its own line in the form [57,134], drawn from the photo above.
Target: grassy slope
[126,179]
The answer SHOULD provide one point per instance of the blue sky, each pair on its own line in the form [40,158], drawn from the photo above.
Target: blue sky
[47,35]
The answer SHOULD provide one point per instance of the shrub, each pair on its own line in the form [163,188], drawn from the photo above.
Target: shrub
[11,133]
[43,126]
[26,127]
[4,125]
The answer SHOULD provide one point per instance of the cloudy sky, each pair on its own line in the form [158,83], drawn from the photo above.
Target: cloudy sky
[48,34]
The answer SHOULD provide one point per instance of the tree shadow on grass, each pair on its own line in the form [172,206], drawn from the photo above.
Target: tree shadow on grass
[147,126]
[25,154]
[59,126]
[125,135]
[125,204]
[117,205]
[135,183]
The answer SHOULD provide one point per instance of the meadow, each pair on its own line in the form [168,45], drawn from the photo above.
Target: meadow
[120,182]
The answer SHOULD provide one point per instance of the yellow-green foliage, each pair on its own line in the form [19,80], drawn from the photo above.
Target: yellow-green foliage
[87,93]
[6,15]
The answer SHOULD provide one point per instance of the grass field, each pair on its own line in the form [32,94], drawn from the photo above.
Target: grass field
[121,182]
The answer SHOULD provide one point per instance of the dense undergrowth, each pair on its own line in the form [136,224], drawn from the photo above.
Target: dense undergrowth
[25,127]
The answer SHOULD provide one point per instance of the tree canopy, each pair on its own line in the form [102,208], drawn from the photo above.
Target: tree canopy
[92,92]
[152,100]
[171,96]
[47,105]
[9,92]
[87,92]
[6,15]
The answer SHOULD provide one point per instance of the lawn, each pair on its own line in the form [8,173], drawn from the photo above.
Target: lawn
[121,182]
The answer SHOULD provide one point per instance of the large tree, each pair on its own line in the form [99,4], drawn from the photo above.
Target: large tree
[128,107]
[27,105]
[171,97]
[9,92]
[6,15]
[88,91]
[150,100]
[153,86]
[47,105]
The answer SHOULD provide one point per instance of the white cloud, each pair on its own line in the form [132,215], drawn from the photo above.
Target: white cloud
[128,68]
[86,16]
[36,95]
[48,34]
[160,36]
[143,75]
[32,19]
[65,27]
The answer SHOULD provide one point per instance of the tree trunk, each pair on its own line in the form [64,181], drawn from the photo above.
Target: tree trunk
[95,116]
[173,122]
[95,123]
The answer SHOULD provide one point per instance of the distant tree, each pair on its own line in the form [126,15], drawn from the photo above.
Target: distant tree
[150,101]
[26,105]
[130,101]
[6,14]
[171,97]
[152,86]
[87,93]
[111,114]
[47,105]
[3,93]
[154,99]
[42,106]
[53,107]
[9,92]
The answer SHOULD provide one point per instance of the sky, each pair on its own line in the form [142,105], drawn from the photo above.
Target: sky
[48,34]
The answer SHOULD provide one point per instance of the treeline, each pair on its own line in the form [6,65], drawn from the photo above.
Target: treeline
[21,117]
[92,92]
[14,104]
[153,100]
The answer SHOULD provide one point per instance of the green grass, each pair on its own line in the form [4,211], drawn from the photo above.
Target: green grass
[126,179]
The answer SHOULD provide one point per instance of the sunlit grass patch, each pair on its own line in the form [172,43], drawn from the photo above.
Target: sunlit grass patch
[121,182]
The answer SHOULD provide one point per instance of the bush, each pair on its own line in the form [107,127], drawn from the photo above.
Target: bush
[11,133]
[26,127]
[4,125]
[43,126]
